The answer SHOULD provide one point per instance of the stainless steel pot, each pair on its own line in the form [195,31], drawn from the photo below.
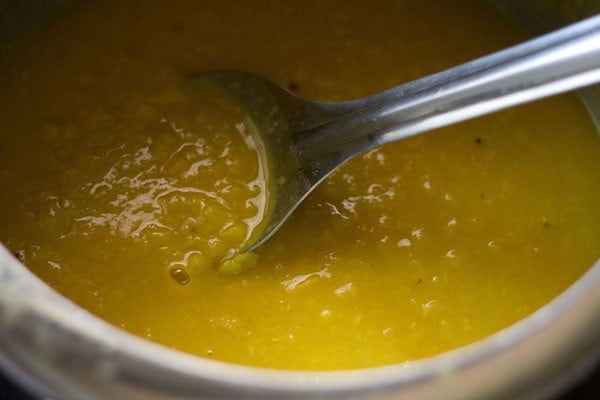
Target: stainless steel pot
[59,350]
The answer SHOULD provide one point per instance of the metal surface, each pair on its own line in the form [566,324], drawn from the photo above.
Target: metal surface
[309,139]
[59,350]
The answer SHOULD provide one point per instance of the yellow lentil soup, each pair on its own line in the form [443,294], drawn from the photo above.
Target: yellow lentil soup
[126,191]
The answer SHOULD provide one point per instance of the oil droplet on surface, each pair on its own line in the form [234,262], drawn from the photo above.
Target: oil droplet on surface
[180,276]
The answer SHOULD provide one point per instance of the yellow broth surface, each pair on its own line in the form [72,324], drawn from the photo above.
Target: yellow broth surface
[125,190]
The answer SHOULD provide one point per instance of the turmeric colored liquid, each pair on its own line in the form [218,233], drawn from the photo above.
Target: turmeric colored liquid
[125,190]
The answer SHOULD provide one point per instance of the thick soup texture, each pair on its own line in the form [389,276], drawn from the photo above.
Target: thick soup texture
[126,190]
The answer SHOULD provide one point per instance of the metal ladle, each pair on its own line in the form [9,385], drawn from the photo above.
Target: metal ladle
[306,140]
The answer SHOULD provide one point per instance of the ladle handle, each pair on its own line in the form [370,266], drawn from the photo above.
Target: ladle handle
[564,60]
